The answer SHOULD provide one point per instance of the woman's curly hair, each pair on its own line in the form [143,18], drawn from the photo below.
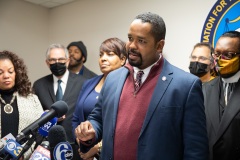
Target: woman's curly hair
[22,83]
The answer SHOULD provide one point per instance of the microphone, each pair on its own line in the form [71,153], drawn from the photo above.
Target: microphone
[12,149]
[46,145]
[44,129]
[41,152]
[59,147]
[9,148]
[58,109]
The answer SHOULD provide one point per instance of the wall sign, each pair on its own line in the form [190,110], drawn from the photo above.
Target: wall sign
[224,16]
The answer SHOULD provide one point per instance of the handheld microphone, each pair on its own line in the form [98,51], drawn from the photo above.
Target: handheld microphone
[41,152]
[12,149]
[3,143]
[60,149]
[58,109]
[44,129]
[46,145]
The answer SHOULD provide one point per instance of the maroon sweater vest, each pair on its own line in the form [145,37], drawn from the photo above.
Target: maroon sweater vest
[132,111]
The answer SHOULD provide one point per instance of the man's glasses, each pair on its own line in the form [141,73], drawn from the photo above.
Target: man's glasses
[59,60]
[199,58]
[225,55]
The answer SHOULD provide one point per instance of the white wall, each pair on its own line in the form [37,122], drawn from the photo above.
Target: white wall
[92,21]
[24,30]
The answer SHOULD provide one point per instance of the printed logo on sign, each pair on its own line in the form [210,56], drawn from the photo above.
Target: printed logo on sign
[13,147]
[43,130]
[63,151]
[224,16]
[39,156]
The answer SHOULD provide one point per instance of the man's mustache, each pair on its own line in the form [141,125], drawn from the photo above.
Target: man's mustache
[132,51]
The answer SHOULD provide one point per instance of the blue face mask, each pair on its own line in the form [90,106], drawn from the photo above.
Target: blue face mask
[58,69]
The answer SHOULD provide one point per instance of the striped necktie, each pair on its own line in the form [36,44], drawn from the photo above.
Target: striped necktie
[138,80]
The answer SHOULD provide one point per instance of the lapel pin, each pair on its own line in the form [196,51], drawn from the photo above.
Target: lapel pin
[164,78]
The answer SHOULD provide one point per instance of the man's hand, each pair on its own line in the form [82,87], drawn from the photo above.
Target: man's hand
[85,131]
[61,118]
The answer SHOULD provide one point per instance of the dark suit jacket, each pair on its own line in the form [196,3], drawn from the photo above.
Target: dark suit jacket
[87,73]
[175,125]
[44,90]
[223,133]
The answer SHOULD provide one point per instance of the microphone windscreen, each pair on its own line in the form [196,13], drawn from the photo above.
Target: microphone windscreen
[56,135]
[60,107]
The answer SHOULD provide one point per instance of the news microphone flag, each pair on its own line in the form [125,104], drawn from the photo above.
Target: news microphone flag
[63,151]
[43,130]
[7,137]
[12,148]
[40,153]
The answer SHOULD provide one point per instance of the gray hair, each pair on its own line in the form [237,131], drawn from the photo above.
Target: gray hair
[209,46]
[53,46]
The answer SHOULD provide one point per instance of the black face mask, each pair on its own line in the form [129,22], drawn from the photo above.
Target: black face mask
[198,69]
[58,69]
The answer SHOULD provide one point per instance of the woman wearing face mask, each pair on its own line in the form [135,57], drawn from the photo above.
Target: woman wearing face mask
[201,62]
[112,56]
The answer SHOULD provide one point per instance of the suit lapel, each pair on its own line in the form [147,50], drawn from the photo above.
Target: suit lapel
[50,88]
[121,80]
[213,110]
[230,111]
[69,87]
[163,82]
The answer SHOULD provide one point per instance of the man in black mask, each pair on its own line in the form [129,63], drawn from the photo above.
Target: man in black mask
[60,85]
[221,99]
[201,61]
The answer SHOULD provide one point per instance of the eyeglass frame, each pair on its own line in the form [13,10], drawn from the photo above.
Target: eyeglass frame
[223,55]
[57,60]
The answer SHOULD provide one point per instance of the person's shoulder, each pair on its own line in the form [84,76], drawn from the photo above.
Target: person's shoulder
[44,78]
[90,72]
[29,97]
[93,80]
[212,82]
[118,71]
[178,72]
[76,77]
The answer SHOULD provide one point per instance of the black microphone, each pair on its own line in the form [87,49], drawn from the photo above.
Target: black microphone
[59,147]
[58,109]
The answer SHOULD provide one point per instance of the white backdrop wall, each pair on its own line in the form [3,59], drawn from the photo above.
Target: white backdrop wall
[29,29]
[24,30]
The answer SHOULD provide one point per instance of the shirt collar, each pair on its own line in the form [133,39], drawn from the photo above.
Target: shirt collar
[232,79]
[146,70]
[64,77]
